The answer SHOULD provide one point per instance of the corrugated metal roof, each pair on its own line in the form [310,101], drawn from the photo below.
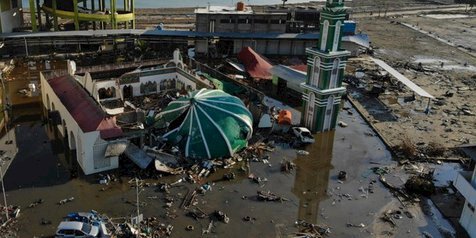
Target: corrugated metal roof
[403,79]
[138,156]
[289,74]
[360,39]
[83,108]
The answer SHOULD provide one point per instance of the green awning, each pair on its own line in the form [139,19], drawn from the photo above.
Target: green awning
[227,87]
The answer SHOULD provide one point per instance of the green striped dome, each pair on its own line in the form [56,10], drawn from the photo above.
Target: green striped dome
[208,124]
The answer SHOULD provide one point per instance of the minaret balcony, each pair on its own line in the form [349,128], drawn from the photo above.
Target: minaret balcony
[328,54]
[318,91]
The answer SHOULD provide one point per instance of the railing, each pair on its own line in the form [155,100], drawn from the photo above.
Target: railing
[464,186]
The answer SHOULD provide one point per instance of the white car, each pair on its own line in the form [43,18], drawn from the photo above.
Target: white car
[67,229]
[303,134]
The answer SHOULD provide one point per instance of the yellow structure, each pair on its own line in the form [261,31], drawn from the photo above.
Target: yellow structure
[93,12]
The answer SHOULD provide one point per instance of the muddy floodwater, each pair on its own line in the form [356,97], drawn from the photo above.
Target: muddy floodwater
[314,194]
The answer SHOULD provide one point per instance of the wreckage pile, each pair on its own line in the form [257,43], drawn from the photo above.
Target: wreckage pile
[308,230]
[8,228]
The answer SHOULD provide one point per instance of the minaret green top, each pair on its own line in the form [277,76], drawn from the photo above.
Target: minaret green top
[335,3]
[332,20]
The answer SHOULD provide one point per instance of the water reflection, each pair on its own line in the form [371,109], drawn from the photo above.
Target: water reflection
[312,176]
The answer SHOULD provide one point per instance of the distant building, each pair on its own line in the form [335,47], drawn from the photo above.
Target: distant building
[86,111]
[244,19]
[11,15]
[238,19]
[465,183]
[273,31]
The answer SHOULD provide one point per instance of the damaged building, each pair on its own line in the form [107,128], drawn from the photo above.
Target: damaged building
[98,116]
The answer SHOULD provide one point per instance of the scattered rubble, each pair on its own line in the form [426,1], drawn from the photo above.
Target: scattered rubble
[269,196]
[287,166]
[66,200]
[342,175]
[311,230]
[421,184]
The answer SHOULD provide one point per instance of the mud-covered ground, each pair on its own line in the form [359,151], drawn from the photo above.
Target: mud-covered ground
[315,195]
[446,72]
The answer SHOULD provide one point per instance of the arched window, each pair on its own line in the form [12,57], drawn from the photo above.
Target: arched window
[316,71]
[324,33]
[334,74]
[310,111]
[335,45]
[329,114]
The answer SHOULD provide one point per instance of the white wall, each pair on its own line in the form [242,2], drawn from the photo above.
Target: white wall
[158,78]
[10,19]
[91,143]
[105,84]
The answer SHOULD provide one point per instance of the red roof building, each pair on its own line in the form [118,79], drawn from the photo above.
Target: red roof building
[256,66]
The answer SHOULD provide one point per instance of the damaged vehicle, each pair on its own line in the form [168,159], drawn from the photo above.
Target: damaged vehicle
[303,134]
[76,229]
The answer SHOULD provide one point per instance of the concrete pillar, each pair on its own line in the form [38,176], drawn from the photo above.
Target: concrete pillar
[101,8]
[126,8]
[93,6]
[33,15]
[133,10]
[39,13]
[55,17]
[76,20]
[1,31]
[113,15]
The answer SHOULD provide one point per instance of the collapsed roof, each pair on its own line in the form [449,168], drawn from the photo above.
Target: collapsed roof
[208,124]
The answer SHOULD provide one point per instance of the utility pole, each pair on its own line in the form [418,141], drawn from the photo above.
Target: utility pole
[3,190]
[137,207]
[137,198]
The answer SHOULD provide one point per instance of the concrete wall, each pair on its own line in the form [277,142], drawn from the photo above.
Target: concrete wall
[105,84]
[158,79]
[468,220]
